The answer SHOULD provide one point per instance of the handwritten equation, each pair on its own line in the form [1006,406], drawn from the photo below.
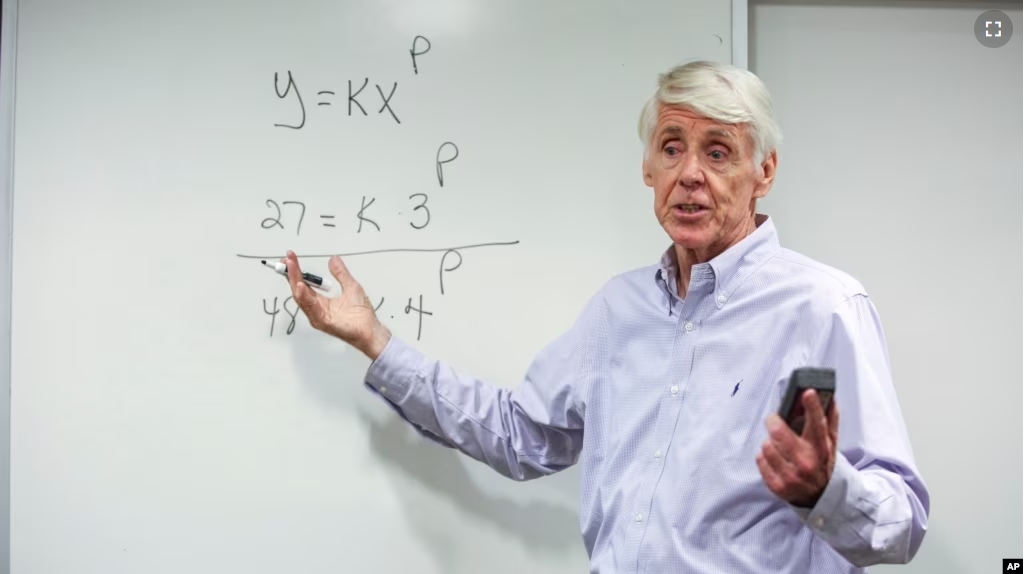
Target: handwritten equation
[449,261]
[287,215]
[329,97]
[418,210]
[292,214]
[273,310]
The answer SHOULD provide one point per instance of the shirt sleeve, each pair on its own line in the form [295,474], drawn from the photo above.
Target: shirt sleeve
[874,509]
[525,432]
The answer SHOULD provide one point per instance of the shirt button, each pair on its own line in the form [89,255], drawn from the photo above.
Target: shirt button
[721,298]
[689,326]
[657,454]
[639,517]
[383,389]
[819,521]
[674,389]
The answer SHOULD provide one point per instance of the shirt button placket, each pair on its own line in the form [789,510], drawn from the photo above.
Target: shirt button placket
[665,424]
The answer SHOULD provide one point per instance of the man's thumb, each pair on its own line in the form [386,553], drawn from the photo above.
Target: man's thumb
[340,272]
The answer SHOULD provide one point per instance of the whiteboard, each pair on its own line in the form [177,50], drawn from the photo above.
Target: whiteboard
[478,164]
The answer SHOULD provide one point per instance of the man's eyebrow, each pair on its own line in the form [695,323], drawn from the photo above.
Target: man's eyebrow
[675,131]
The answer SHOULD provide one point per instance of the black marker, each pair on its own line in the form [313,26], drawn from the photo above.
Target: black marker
[310,279]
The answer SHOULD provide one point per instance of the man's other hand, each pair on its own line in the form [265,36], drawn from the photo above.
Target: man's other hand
[797,468]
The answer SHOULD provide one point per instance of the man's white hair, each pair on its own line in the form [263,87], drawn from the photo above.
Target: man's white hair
[720,92]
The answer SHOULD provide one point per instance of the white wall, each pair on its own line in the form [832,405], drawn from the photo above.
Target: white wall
[901,164]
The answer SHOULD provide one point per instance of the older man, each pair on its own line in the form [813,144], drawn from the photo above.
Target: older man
[665,388]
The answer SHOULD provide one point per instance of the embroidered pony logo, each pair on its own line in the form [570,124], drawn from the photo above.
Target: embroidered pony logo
[736,388]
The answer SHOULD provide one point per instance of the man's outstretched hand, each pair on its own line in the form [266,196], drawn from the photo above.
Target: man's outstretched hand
[350,317]
[797,468]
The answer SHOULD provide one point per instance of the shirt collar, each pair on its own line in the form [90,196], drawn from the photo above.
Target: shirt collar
[731,267]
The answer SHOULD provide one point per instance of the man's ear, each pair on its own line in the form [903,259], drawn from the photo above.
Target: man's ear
[645,168]
[766,175]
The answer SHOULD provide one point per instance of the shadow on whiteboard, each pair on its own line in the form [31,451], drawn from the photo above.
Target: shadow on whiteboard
[541,526]
[333,373]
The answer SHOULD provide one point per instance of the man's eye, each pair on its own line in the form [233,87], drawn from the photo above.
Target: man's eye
[717,154]
[671,150]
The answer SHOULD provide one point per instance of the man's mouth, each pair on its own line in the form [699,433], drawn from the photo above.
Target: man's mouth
[689,208]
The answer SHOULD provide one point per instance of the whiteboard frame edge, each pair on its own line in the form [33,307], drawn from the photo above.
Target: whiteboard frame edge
[740,32]
[8,68]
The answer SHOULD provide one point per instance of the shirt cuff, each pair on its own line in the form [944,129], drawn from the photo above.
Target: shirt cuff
[392,374]
[403,377]
[831,515]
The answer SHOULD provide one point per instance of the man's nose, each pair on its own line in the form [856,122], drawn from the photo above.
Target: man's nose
[690,170]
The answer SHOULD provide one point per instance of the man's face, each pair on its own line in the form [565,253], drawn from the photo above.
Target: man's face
[704,180]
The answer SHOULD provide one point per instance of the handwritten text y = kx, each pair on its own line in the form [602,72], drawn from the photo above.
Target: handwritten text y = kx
[355,102]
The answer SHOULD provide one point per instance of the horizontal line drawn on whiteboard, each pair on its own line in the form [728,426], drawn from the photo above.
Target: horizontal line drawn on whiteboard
[395,250]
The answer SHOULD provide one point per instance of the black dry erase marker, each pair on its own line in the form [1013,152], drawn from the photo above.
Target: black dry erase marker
[312,280]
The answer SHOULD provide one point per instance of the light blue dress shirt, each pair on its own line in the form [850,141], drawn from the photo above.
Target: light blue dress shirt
[663,400]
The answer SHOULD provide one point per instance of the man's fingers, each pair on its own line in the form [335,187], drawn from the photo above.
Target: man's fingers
[812,404]
[303,294]
[305,297]
[833,422]
[294,271]
[781,437]
[815,425]
[771,478]
[778,463]
[340,272]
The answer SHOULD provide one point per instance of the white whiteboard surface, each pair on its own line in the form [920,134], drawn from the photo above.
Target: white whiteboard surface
[157,423]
